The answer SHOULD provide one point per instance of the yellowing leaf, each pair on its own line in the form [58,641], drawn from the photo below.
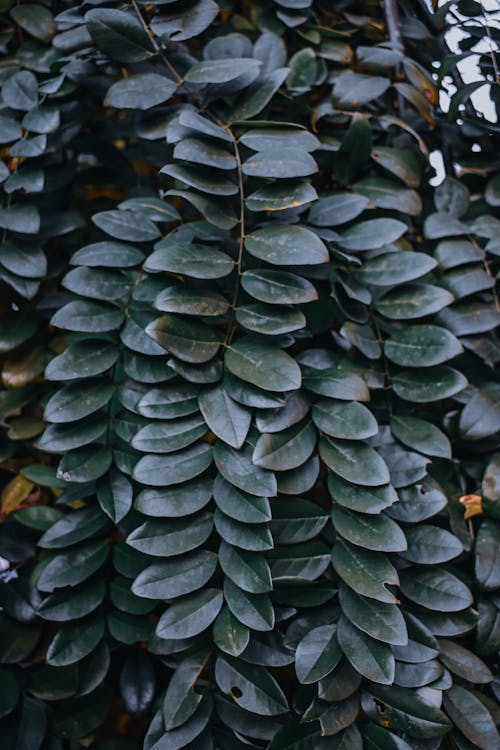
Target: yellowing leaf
[473,505]
[14,493]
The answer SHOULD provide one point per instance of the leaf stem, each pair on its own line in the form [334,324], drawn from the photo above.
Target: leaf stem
[241,241]
[155,44]
[239,261]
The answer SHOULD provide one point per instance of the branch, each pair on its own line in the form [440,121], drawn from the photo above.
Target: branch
[427,17]
[394,28]
[393,23]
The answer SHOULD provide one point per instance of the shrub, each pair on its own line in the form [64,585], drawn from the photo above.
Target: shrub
[251,416]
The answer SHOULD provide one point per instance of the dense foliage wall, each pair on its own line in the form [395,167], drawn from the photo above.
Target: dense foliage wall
[250,467]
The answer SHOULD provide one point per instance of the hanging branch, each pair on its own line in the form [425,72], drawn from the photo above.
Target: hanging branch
[393,23]
[394,28]
[428,18]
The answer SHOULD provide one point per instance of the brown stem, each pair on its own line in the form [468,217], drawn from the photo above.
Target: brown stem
[155,44]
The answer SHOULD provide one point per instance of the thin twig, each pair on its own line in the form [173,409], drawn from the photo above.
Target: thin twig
[393,24]
[429,20]
[155,44]
[491,44]
[242,234]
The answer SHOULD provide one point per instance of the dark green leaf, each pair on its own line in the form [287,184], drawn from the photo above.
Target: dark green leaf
[253,537]
[252,688]
[119,34]
[487,560]
[356,462]
[229,634]
[25,219]
[107,255]
[258,95]
[172,537]
[429,385]
[137,682]
[237,469]
[202,178]
[389,194]
[91,317]
[84,464]
[407,712]
[162,471]
[172,578]
[278,287]
[481,415]
[350,421]
[20,90]
[429,545]
[339,208]
[464,663]
[191,615]
[74,402]
[422,346]
[187,22]
[248,570]
[364,571]
[196,261]
[270,319]
[72,567]
[27,261]
[115,493]
[216,212]
[287,449]
[352,89]
[75,641]
[179,299]
[74,527]
[372,234]
[285,245]
[390,269]
[225,417]
[413,301]
[35,19]
[221,71]
[176,502]
[141,91]
[472,717]
[369,531]
[318,653]
[421,435]
[297,520]
[436,589]
[240,505]
[253,610]
[263,365]
[362,499]
[278,197]
[282,163]
[370,657]
[126,225]
[59,438]
[380,620]
[200,151]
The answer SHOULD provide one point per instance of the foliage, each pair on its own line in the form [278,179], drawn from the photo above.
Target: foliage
[249,379]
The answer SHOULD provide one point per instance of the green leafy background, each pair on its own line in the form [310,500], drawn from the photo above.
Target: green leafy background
[250,406]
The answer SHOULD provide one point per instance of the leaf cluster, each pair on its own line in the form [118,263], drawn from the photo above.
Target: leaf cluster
[250,403]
